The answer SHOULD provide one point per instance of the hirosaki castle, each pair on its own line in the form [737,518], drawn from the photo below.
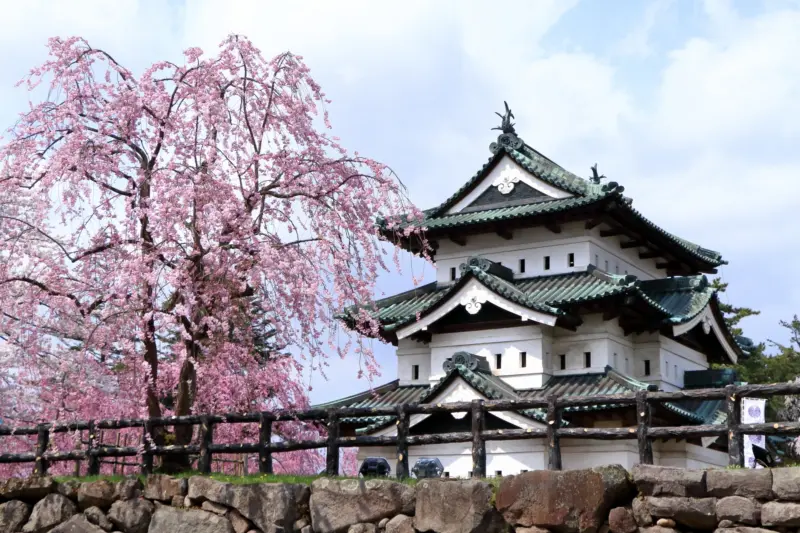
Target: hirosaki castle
[549,283]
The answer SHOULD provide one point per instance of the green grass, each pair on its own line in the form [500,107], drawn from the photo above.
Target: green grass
[226,478]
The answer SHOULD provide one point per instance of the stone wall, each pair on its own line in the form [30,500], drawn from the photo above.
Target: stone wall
[648,499]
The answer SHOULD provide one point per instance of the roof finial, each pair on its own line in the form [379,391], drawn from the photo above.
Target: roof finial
[595,176]
[506,126]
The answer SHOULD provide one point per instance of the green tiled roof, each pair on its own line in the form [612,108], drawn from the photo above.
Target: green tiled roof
[494,388]
[679,299]
[585,193]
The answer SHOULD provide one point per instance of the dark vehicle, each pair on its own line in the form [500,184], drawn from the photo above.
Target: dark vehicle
[427,467]
[375,467]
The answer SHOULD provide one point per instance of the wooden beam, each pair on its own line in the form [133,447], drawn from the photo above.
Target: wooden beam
[632,244]
[591,224]
[613,232]
[668,264]
[649,254]
[458,239]
[552,226]
[505,233]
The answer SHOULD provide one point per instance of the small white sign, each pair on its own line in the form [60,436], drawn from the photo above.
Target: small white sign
[753,413]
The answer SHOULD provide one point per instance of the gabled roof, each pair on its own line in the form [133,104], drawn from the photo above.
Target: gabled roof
[494,388]
[601,198]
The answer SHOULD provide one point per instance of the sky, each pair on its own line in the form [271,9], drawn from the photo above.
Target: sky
[693,106]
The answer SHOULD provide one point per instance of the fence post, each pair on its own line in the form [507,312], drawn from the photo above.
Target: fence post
[93,468]
[206,438]
[147,457]
[42,440]
[643,415]
[402,444]
[264,440]
[478,442]
[332,456]
[733,409]
[553,444]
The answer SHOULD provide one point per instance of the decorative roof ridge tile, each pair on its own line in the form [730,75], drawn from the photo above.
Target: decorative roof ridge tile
[509,291]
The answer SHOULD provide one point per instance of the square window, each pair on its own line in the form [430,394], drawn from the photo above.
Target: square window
[547,262]
[521,266]
[523,359]
[597,260]
[616,269]
[647,367]
[571,260]
[587,359]
[498,361]
[606,266]
[499,473]
[414,371]
[563,361]
[447,474]
[452,273]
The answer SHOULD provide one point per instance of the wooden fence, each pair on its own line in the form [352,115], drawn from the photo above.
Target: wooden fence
[643,432]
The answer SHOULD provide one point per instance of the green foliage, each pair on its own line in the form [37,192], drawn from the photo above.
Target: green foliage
[761,367]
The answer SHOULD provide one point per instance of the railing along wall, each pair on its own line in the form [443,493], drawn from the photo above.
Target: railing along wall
[552,432]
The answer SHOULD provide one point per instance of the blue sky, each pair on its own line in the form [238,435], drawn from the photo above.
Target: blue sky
[693,106]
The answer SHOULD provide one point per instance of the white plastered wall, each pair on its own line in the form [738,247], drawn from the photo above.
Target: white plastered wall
[515,456]
[410,353]
[604,340]
[534,244]
[534,340]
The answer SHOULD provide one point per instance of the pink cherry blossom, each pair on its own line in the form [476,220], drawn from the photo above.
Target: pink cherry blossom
[142,216]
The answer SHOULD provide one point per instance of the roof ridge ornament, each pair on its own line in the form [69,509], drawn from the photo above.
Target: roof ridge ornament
[508,139]
[596,177]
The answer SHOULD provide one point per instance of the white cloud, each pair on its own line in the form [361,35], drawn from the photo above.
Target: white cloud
[637,42]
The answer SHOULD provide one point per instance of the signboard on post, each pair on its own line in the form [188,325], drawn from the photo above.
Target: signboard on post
[753,413]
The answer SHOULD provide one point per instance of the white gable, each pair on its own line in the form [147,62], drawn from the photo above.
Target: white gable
[709,323]
[461,391]
[505,175]
[472,296]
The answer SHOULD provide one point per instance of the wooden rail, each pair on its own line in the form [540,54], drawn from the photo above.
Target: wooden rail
[552,431]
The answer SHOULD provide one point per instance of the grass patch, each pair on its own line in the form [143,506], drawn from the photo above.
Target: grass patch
[227,478]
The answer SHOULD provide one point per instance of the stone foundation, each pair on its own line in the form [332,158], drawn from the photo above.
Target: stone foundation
[649,499]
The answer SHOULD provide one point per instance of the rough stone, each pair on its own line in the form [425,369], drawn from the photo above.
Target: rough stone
[739,509]
[668,481]
[400,524]
[77,524]
[187,502]
[13,515]
[48,512]
[306,529]
[786,483]
[215,508]
[269,506]
[620,520]
[163,488]
[694,513]
[131,516]
[657,529]
[97,517]
[301,523]
[532,529]
[338,503]
[128,489]
[749,483]
[567,501]
[178,501]
[31,489]
[382,523]
[439,500]
[171,520]
[241,524]
[724,524]
[362,528]
[641,513]
[780,514]
[666,522]
[69,488]
[100,493]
